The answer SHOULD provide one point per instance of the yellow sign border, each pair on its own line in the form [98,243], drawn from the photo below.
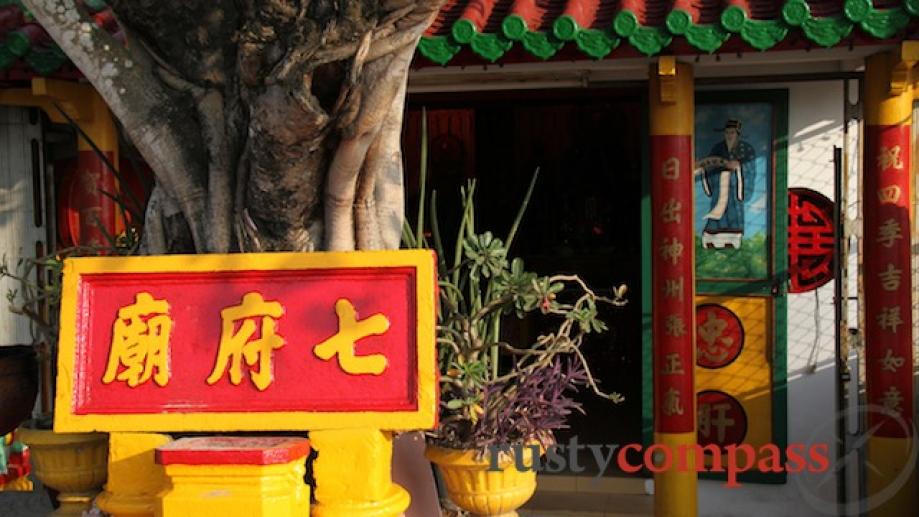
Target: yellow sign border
[424,417]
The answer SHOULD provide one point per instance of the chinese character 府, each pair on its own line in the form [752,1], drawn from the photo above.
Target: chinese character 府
[236,345]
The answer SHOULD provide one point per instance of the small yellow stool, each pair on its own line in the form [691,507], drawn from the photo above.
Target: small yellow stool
[234,476]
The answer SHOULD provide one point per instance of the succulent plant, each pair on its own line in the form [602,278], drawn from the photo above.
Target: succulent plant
[494,392]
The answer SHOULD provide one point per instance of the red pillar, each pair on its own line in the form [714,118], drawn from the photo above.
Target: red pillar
[888,286]
[673,278]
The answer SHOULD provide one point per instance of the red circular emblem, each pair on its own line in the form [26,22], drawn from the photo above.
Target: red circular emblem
[810,239]
[719,336]
[722,420]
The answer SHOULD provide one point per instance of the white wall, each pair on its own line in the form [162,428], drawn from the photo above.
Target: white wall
[815,126]
[18,233]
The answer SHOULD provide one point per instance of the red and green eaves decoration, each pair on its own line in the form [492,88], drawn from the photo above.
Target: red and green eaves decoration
[543,28]
[26,49]
[564,29]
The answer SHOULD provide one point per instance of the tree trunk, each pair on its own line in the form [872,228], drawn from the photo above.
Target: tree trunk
[269,124]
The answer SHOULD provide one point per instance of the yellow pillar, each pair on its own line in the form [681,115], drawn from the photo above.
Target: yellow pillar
[890,471]
[353,474]
[672,105]
[134,478]
[86,108]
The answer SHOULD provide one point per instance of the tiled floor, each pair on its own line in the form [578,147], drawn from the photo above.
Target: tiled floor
[568,504]
[581,496]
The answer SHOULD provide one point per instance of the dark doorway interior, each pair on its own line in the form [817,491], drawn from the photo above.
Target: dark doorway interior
[584,217]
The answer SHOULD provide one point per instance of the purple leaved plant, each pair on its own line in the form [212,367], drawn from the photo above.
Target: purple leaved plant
[529,409]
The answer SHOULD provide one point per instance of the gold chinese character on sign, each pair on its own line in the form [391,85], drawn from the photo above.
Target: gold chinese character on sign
[889,194]
[889,318]
[672,405]
[670,212]
[673,288]
[671,250]
[720,421]
[892,399]
[140,343]
[672,364]
[888,233]
[350,330]
[671,169]
[890,278]
[253,315]
[715,346]
[889,158]
[891,362]
[674,326]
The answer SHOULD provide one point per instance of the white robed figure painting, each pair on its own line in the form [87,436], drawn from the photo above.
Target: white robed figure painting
[728,174]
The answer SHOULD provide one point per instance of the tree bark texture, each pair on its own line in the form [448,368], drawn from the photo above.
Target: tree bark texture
[271,125]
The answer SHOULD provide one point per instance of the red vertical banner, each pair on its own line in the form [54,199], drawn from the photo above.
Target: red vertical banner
[672,282]
[887,277]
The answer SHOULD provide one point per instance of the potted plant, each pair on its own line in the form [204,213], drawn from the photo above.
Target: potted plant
[499,398]
[71,465]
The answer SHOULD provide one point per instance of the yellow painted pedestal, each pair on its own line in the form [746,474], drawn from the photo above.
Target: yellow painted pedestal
[234,476]
[134,478]
[353,474]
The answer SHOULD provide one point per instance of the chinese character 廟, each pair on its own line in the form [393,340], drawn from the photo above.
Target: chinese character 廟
[350,330]
[238,344]
[140,343]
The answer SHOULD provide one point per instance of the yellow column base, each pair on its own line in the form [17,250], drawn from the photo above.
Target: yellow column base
[890,486]
[74,504]
[675,492]
[134,478]
[236,491]
[22,484]
[353,474]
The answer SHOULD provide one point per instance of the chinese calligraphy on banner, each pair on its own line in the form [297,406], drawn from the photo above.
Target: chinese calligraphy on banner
[215,341]
[888,299]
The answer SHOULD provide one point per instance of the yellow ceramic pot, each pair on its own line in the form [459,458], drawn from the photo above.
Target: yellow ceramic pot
[474,488]
[74,464]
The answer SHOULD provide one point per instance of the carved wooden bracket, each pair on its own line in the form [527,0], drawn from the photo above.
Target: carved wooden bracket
[900,76]
[666,72]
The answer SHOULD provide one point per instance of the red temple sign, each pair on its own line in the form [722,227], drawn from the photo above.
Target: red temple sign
[248,342]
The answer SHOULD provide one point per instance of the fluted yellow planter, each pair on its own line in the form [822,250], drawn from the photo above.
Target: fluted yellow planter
[474,488]
[74,464]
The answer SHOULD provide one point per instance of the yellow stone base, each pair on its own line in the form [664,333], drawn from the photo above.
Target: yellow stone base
[17,485]
[892,491]
[134,478]
[675,492]
[235,491]
[394,504]
[474,488]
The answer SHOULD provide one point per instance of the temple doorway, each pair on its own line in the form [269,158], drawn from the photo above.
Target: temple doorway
[584,216]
